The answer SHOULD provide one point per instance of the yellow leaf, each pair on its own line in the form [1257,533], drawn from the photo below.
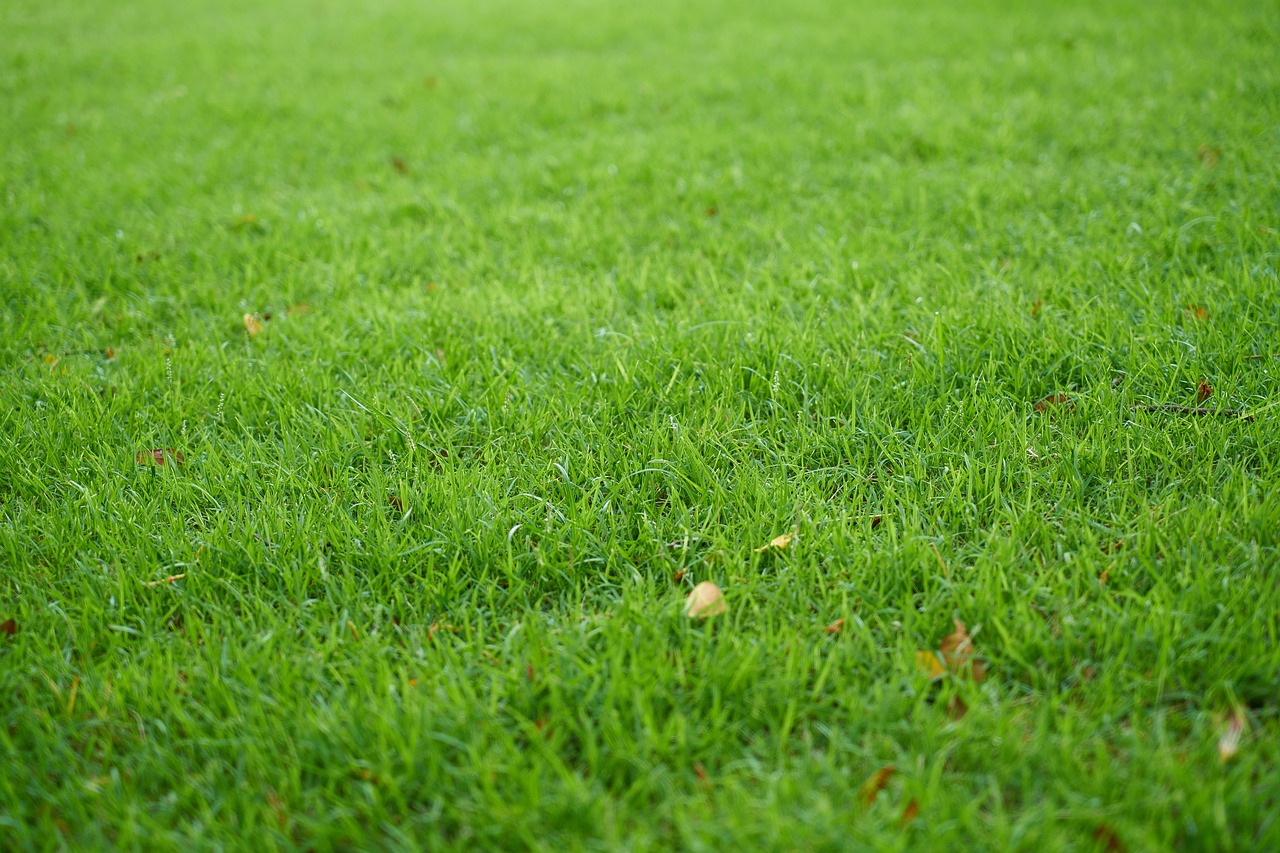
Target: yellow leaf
[873,786]
[778,542]
[252,325]
[930,664]
[705,600]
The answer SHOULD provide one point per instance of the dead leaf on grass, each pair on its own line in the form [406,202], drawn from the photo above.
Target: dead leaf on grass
[159,456]
[910,813]
[779,542]
[836,627]
[1229,739]
[1055,401]
[9,627]
[1208,155]
[253,325]
[1199,312]
[873,786]
[960,654]
[1203,391]
[1107,837]
[705,600]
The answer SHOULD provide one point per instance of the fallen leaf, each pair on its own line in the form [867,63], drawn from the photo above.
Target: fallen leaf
[399,165]
[277,808]
[253,325]
[1198,311]
[110,353]
[1036,306]
[960,655]
[1203,391]
[910,813]
[700,772]
[1054,400]
[1104,577]
[9,627]
[956,708]
[836,627]
[1229,740]
[1209,155]
[1110,842]
[680,575]
[872,787]
[705,600]
[931,664]
[712,211]
[778,542]
[159,456]
[528,672]
[876,520]
[396,503]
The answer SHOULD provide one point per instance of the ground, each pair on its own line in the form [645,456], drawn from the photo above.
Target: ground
[380,378]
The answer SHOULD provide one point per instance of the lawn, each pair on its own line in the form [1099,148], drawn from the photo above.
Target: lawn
[378,379]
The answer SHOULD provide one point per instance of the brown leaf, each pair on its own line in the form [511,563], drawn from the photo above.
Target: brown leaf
[1229,739]
[399,165]
[680,575]
[396,503]
[873,786]
[9,627]
[910,813]
[110,353]
[277,808]
[1036,306]
[836,627]
[960,655]
[712,211]
[253,325]
[1209,155]
[1055,400]
[1107,837]
[705,600]
[1203,391]
[159,456]
[779,542]
[1198,311]
[1104,577]
[700,772]
[956,708]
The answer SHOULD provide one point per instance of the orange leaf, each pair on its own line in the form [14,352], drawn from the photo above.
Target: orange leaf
[872,787]
[910,813]
[9,627]
[252,325]
[835,627]
[1198,311]
[705,600]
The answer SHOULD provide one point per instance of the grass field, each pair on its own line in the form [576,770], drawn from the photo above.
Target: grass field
[555,309]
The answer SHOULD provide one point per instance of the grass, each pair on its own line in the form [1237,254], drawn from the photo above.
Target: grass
[573,305]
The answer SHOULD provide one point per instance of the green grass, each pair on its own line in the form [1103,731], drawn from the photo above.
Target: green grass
[602,297]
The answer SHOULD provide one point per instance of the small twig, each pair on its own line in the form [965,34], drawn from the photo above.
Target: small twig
[1188,410]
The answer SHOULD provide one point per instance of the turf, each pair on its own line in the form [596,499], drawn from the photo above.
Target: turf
[561,308]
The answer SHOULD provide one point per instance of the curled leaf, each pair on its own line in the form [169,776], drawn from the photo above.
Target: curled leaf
[1203,391]
[779,542]
[705,600]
